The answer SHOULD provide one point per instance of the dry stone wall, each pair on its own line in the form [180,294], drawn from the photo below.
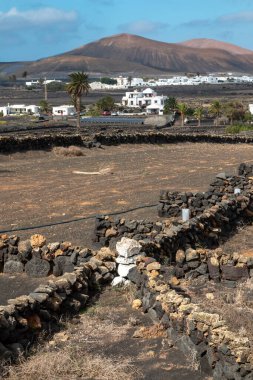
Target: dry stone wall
[36,258]
[25,316]
[223,186]
[201,335]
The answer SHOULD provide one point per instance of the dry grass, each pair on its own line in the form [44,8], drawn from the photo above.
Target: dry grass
[72,364]
[70,151]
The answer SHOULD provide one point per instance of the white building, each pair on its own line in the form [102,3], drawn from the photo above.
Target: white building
[251,108]
[19,109]
[64,110]
[145,99]
[32,83]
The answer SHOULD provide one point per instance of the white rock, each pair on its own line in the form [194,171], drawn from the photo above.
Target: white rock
[123,270]
[118,281]
[128,247]
[126,260]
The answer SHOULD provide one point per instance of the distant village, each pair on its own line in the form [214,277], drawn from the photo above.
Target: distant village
[139,94]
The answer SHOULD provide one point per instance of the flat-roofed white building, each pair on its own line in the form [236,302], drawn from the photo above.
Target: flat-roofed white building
[147,98]
[19,109]
[64,110]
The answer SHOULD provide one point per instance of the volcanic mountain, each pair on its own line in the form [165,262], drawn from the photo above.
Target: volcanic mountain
[134,55]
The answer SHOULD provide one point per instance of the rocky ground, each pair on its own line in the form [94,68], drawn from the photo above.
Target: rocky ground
[109,340]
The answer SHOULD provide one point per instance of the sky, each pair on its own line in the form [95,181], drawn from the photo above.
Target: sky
[33,29]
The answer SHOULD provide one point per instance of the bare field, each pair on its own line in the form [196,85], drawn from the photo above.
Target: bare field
[39,188]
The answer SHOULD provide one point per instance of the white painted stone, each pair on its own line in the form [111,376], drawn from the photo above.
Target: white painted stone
[118,281]
[128,247]
[123,270]
[126,260]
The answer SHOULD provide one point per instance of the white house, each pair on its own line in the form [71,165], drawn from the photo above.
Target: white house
[64,110]
[147,98]
[157,105]
[32,83]
[19,109]
[251,108]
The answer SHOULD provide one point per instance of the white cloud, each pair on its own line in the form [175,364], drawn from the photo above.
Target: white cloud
[36,18]
[142,27]
[239,17]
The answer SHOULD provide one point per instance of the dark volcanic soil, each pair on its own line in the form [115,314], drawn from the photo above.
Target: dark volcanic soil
[202,93]
[39,188]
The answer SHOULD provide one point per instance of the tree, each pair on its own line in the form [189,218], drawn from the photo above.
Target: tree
[79,85]
[44,106]
[216,110]
[170,105]
[234,111]
[129,80]
[198,113]
[182,109]
[13,78]
[24,74]
[107,80]
[106,103]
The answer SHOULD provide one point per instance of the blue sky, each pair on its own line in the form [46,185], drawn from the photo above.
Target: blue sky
[32,29]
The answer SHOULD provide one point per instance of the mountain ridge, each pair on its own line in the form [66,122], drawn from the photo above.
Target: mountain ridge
[135,55]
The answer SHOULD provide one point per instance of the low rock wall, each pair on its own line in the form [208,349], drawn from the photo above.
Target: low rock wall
[223,186]
[26,316]
[10,144]
[162,239]
[36,258]
[202,336]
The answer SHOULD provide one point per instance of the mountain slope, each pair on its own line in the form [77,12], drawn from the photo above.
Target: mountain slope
[205,43]
[130,54]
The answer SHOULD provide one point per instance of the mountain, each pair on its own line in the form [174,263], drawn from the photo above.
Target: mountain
[134,55]
[205,43]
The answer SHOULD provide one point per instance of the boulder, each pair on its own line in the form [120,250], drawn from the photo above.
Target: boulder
[126,260]
[123,270]
[37,241]
[37,267]
[63,264]
[12,266]
[24,247]
[128,247]
[118,281]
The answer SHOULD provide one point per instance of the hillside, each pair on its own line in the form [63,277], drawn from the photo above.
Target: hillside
[131,54]
[205,43]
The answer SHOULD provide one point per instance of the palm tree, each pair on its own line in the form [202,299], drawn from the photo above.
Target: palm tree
[78,86]
[198,113]
[182,109]
[216,110]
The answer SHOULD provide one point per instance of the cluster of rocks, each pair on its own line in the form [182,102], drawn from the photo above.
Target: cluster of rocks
[25,316]
[128,251]
[222,188]
[109,231]
[216,265]
[37,258]
[203,336]
[245,170]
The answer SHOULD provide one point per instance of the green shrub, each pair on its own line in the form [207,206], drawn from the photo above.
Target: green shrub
[234,129]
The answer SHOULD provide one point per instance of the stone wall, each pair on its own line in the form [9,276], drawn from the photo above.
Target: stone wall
[172,203]
[26,316]
[162,239]
[37,258]
[9,144]
[202,336]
